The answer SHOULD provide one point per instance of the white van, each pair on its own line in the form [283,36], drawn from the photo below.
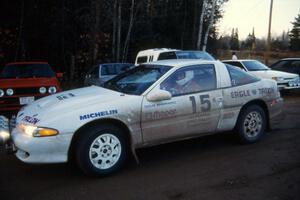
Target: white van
[150,55]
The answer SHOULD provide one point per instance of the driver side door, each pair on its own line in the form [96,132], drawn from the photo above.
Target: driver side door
[186,114]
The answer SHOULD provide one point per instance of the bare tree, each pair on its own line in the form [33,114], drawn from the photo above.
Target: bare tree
[96,30]
[20,42]
[131,21]
[114,29]
[211,21]
[204,5]
[119,27]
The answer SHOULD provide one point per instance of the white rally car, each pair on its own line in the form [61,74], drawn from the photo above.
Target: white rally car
[153,103]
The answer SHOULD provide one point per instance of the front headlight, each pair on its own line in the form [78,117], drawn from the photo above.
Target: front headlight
[1,93]
[37,131]
[280,79]
[9,92]
[42,90]
[52,90]
[26,129]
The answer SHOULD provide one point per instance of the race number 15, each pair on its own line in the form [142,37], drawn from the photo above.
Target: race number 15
[204,101]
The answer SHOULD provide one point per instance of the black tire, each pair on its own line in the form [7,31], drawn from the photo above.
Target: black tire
[89,149]
[251,124]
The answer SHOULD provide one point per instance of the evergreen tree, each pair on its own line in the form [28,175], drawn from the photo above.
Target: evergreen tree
[253,46]
[234,40]
[295,35]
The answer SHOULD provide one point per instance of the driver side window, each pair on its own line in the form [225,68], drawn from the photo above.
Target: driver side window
[191,79]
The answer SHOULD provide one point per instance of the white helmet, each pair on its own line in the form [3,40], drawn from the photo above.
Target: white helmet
[188,75]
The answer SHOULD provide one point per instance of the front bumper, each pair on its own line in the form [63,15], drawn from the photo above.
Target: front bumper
[289,85]
[53,149]
[31,149]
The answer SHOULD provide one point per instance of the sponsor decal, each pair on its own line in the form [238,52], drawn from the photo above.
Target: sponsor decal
[240,94]
[266,91]
[65,96]
[160,114]
[160,104]
[149,106]
[166,103]
[31,120]
[98,114]
[254,92]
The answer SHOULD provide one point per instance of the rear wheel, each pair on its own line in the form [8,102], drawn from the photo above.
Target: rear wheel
[251,124]
[101,150]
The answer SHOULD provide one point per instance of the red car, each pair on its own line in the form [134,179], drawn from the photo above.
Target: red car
[23,82]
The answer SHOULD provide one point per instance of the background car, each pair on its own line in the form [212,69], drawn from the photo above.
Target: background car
[23,82]
[284,80]
[291,65]
[151,55]
[101,73]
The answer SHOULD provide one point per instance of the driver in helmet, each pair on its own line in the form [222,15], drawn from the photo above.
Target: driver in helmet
[184,83]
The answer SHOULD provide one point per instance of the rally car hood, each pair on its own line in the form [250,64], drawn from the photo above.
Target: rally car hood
[69,101]
[273,73]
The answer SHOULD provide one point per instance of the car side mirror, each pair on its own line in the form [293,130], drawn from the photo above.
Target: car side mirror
[159,95]
[59,75]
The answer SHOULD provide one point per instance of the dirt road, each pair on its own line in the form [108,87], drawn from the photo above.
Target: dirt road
[213,167]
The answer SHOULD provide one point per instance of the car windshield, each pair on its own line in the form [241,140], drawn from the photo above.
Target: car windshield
[27,71]
[253,65]
[194,55]
[136,80]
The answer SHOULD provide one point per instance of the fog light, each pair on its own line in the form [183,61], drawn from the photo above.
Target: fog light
[9,92]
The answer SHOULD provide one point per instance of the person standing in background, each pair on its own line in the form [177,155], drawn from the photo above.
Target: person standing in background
[234,57]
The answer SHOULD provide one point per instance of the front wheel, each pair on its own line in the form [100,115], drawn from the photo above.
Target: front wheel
[251,124]
[101,150]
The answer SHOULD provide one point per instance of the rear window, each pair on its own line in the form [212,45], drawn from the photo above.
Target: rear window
[240,77]
[108,70]
[194,55]
[27,71]
[237,64]
[141,59]
[114,69]
[167,55]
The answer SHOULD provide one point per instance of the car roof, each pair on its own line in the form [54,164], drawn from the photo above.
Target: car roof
[156,50]
[27,62]
[192,51]
[290,59]
[239,60]
[180,63]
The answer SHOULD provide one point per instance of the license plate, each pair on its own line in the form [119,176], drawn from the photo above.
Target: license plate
[26,100]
